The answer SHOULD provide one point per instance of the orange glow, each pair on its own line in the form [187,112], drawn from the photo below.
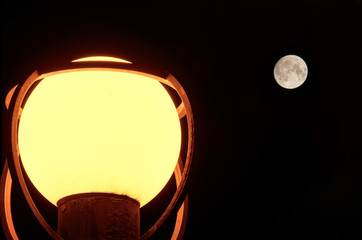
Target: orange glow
[99,131]
[101,59]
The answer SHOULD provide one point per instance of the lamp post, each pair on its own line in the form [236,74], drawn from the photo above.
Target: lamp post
[99,142]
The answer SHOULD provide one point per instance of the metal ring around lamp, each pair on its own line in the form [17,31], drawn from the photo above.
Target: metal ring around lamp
[181,172]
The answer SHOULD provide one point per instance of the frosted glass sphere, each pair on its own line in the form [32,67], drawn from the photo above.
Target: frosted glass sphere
[99,131]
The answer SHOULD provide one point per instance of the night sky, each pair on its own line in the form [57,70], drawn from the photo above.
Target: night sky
[269,162]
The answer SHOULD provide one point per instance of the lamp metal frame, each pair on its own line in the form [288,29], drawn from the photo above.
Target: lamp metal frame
[12,167]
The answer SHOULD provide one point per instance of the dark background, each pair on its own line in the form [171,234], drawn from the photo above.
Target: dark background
[269,162]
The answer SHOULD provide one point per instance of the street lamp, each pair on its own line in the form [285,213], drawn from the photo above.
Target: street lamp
[99,139]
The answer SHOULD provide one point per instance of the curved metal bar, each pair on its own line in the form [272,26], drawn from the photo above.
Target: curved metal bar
[181,220]
[181,217]
[181,110]
[162,80]
[5,202]
[9,96]
[190,148]
[15,152]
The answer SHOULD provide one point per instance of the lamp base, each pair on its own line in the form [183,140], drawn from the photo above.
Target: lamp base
[89,216]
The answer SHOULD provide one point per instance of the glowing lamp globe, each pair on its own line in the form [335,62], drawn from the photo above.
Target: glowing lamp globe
[97,141]
[99,131]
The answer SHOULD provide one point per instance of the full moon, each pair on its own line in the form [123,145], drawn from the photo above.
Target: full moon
[290,71]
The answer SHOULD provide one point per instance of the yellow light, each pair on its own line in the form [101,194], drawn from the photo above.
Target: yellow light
[101,59]
[99,131]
